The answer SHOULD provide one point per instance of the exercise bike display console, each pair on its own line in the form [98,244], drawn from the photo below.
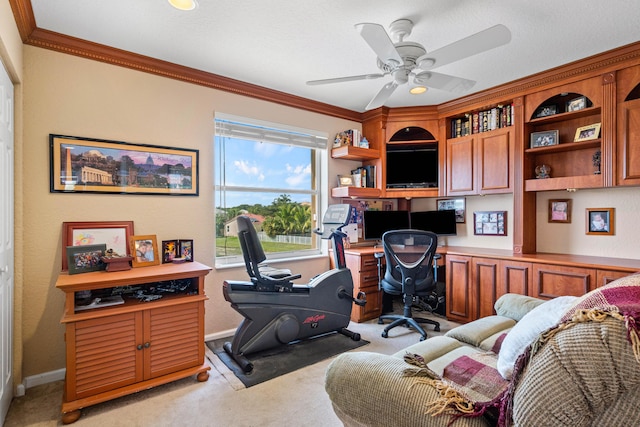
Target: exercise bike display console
[276,311]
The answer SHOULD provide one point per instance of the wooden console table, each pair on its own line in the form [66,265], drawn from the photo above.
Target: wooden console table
[143,342]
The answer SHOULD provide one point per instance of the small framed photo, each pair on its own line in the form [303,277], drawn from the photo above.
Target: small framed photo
[600,221]
[546,110]
[186,250]
[144,250]
[544,139]
[86,258]
[576,104]
[346,181]
[586,133]
[170,250]
[490,223]
[457,205]
[560,210]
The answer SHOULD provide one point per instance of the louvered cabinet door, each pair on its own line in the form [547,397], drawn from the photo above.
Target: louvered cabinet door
[102,354]
[173,338]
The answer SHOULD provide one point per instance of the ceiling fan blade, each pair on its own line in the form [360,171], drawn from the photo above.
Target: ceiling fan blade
[345,79]
[490,38]
[378,39]
[382,96]
[443,81]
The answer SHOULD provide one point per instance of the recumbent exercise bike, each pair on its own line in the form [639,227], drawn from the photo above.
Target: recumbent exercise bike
[276,311]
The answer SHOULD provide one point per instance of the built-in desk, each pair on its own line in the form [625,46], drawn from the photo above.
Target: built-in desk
[477,277]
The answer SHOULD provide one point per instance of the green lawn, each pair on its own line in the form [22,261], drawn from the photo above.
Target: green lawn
[228,246]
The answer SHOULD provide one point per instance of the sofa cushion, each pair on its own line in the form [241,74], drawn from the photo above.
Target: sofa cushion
[515,306]
[538,320]
[473,333]
[430,349]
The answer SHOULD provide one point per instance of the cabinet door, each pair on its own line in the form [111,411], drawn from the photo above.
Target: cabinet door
[494,162]
[461,292]
[628,148]
[364,270]
[607,276]
[102,354]
[460,166]
[486,279]
[550,281]
[516,277]
[173,338]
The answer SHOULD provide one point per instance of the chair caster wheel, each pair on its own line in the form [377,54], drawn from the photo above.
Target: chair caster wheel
[437,329]
[380,322]
[423,338]
[385,334]
[355,337]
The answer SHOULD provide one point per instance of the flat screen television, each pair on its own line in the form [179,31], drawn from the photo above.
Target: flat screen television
[376,223]
[443,223]
[412,166]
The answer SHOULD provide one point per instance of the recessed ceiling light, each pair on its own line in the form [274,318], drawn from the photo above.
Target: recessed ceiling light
[184,4]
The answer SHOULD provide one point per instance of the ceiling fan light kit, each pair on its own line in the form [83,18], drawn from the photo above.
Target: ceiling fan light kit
[405,60]
[184,4]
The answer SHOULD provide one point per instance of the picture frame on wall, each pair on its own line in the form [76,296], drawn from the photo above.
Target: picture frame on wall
[456,204]
[144,250]
[115,234]
[89,165]
[600,221]
[560,210]
[490,223]
[85,258]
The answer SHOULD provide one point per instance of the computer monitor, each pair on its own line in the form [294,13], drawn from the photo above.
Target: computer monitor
[443,223]
[376,223]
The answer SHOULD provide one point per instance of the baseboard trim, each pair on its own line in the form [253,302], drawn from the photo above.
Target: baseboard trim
[222,334]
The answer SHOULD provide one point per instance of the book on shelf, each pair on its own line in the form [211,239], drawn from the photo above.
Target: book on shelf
[482,121]
[364,176]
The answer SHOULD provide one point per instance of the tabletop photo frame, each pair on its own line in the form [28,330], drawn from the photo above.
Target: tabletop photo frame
[587,133]
[144,250]
[86,258]
[115,234]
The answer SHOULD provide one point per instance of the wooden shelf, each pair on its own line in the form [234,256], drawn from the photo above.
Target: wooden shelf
[411,192]
[566,146]
[561,117]
[350,152]
[360,192]
[564,182]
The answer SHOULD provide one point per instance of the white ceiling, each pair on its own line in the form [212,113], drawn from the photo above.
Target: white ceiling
[280,44]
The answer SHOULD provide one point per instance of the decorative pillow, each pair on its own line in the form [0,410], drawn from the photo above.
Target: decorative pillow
[538,320]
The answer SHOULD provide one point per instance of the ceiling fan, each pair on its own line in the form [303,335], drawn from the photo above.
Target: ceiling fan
[404,59]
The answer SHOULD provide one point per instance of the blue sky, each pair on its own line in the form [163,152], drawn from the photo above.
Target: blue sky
[263,165]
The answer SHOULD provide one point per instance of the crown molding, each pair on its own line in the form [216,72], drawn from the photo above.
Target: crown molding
[34,36]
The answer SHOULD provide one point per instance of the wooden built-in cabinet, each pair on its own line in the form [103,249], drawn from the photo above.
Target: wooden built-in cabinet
[480,163]
[476,278]
[121,349]
[364,270]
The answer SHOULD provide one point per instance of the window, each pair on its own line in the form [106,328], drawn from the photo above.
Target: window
[270,173]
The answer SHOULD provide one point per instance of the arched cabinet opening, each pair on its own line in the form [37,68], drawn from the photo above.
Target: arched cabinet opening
[412,159]
[563,144]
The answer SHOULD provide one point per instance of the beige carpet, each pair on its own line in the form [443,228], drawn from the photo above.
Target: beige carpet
[296,399]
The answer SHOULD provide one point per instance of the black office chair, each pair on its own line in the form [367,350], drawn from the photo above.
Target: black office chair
[409,272]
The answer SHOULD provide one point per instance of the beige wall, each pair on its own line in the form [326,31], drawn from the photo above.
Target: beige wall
[74,96]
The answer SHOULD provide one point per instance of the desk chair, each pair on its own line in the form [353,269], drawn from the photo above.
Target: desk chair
[409,272]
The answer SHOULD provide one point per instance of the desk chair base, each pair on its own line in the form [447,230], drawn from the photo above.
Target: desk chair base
[413,322]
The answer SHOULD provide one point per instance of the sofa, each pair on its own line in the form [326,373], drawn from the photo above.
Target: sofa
[564,362]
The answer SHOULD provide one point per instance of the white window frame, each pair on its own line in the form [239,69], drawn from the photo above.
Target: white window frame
[232,126]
